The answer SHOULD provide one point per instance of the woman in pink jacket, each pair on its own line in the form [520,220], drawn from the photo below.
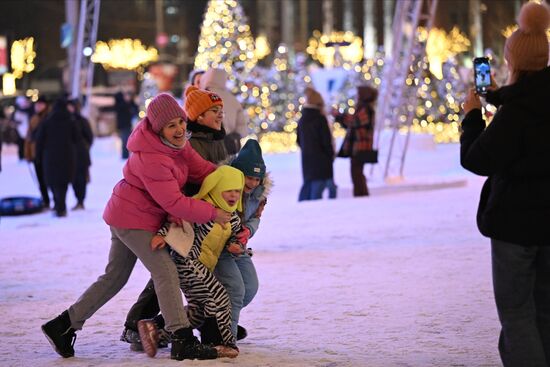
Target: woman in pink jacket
[160,164]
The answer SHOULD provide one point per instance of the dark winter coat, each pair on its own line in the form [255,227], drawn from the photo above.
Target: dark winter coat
[125,112]
[359,131]
[315,144]
[55,145]
[84,142]
[514,152]
[210,146]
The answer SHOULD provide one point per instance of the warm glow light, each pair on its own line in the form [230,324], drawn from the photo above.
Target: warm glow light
[507,32]
[8,84]
[128,54]
[22,56]
[441,46]
[318,49]
[262,47]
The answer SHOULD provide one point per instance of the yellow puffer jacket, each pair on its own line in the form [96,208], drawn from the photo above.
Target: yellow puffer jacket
[210,240]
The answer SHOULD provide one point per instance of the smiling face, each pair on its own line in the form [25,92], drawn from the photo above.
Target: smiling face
[231,197]
[213,118]
[250,183]
[174,132]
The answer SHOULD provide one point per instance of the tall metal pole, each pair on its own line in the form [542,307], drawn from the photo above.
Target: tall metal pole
[348,16]
[71,16]
[370,43]
[476,31]
[304,23]
[388,35]
[76,79]
[288,26]
[328,17]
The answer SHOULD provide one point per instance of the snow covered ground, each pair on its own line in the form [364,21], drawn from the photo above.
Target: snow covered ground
[401,278]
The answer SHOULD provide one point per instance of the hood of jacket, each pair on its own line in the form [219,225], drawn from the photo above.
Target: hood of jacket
[214,79]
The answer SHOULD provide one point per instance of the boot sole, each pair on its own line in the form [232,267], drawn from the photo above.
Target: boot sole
[149,336]
[64,355]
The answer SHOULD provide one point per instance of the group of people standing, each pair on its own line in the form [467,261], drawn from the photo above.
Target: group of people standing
[188,217]
[315,139]
[57,142]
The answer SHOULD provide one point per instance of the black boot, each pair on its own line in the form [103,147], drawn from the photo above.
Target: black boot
[186,346]
[241,332]
[210,333]
[61,335]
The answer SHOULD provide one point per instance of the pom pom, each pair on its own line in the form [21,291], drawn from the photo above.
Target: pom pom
[534,18]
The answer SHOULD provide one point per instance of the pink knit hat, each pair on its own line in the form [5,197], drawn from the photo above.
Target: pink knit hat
[527,48]
[163,109]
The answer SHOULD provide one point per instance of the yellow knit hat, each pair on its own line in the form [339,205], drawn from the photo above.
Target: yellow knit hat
[198,101]
[224,178]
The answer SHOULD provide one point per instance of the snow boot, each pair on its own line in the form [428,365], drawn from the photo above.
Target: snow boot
[241,332]
[186,346]
[227,351]
[61,335]
[210,333]
[149,335]
[132,337]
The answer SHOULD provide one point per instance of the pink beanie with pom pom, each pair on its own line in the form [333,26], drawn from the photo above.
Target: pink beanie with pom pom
[527,48]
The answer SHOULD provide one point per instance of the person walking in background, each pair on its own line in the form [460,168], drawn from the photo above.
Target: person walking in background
[21,117]
[317,151]
[160,164]
[83,160]
[514,208]
[358,142]
[234,121]
[41,111]
[56,138]
[194,80]
[125,109]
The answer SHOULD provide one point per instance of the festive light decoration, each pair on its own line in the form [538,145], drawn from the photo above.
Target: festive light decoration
[440,46]
[507,32]
[328,49]
[8,84]
[225,41]
[262,48]
[128,54]
[22,56]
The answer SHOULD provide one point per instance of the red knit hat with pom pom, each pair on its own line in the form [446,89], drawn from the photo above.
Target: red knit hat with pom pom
[527,48]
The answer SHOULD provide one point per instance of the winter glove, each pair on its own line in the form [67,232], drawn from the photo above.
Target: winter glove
[157,242]
[243,235]
[236,248]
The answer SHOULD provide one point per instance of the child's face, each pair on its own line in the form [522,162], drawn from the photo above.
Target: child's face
[231,197]
[174,132]
[213,118]
[250,183]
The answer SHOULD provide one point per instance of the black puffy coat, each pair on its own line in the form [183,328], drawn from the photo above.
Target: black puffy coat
[55,145]
[315,144]
[514,152]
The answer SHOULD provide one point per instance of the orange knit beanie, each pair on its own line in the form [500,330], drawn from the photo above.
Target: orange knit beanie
[198,101]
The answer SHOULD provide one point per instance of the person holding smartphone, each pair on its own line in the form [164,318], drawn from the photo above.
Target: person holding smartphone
[514,208]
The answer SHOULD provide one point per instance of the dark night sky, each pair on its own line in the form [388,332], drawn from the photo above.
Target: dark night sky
[135,18]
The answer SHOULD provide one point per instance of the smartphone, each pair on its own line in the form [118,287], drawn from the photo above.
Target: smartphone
[482,74]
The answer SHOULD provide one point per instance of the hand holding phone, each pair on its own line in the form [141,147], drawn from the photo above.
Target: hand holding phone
[482,74]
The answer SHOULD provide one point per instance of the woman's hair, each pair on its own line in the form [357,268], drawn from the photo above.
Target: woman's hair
[314,98]
[366,94]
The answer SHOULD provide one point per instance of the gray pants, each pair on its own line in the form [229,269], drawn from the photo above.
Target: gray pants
[126,246]
[521,281]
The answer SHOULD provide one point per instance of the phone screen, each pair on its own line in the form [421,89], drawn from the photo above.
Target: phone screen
[482,73]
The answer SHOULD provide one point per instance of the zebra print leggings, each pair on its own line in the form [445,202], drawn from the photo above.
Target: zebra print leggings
[206,296]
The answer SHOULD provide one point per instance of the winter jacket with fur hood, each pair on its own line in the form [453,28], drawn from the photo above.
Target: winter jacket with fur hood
[151,188]
[513,151]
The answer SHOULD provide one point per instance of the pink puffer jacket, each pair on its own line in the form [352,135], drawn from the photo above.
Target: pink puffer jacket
[151,188]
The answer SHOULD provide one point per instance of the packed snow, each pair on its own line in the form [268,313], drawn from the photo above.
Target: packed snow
[400,278]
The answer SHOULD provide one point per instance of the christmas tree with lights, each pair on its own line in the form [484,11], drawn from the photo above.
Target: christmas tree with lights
[226,41]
